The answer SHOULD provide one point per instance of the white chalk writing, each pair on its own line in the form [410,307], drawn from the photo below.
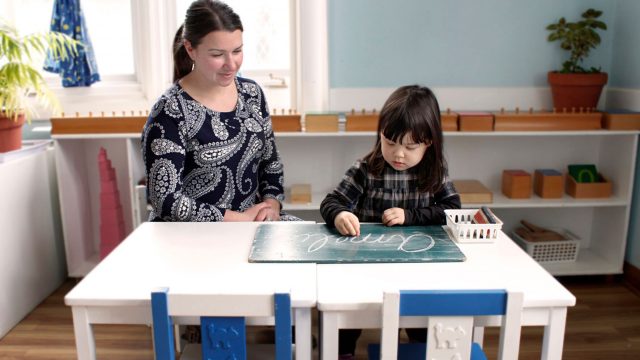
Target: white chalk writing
[413,243]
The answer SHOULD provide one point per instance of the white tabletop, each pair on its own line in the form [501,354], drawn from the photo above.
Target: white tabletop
[499,265]
[189,256]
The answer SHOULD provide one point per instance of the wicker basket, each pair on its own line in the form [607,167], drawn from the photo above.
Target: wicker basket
[463,230]
[551,251]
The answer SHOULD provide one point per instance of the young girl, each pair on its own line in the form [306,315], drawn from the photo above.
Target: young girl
[402,181]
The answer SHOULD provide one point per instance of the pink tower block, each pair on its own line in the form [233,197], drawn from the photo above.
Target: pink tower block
[110,187]
[109,200]
[112,230]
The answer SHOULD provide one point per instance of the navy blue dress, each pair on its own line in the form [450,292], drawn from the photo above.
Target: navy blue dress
[200,162]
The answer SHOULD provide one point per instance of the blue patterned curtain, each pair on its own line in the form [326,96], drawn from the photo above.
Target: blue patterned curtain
[81,70]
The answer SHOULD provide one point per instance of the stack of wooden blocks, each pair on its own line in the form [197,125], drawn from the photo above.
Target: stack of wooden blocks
[111,217]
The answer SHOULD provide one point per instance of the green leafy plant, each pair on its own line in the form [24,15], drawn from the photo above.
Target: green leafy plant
[19,79]
[578,38]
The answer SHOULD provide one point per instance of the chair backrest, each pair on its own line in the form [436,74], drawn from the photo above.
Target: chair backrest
[222,321]
[450,320]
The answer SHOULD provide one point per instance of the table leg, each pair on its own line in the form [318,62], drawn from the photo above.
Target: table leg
[554,334]
[304,345]
[478,335]
[329,335]
[85,342]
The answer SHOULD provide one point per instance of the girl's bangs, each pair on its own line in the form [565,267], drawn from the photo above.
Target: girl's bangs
[399,124]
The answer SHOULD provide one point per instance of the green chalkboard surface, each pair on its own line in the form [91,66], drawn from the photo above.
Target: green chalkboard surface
[319,243]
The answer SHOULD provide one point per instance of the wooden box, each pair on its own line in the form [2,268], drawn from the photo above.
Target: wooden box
[547,183]
[547,121]
[361,121]
[321,122]
[300,194]
[621,120]
[516,184]
[286,123]
[475,121]
[98,124]
[473,192]
[449,120]
[578,190]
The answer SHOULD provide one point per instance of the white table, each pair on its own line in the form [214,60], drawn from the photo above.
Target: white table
[118,290]
[350,295]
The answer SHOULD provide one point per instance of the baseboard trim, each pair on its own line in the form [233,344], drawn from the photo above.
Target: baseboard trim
[455,98]
[632,276]
[478,98]
[619,98]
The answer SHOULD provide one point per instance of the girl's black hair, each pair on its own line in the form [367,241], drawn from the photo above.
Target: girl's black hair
[413,110]
[203,17]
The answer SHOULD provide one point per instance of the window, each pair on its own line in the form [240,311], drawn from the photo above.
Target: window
[112,40]
[112,44]
[133,39]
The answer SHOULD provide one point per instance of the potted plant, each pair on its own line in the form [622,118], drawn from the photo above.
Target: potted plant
[574,86]
[19,79]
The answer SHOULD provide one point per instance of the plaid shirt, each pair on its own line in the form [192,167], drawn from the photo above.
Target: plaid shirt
[368,196]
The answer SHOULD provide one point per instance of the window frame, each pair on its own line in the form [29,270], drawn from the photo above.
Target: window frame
[153,63]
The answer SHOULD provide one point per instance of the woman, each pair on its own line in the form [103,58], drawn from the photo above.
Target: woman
[208,145]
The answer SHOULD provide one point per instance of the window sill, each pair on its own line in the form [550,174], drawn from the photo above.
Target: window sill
[113,94]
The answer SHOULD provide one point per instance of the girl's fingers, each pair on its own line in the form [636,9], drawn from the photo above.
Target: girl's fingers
[355,227]
[345,229]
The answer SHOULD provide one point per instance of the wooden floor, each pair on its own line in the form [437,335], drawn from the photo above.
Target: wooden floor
[605,324]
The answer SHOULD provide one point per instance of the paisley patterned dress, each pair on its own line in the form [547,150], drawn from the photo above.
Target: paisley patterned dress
[200,162]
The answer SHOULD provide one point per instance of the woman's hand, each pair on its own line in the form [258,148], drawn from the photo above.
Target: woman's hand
[347,223]
[248,215]
[393,216]
[271,213]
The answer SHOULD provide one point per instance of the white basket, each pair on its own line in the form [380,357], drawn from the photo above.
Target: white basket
[463,230]
[551,251]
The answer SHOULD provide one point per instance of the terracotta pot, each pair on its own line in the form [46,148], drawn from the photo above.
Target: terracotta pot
[576,90]
[10,133]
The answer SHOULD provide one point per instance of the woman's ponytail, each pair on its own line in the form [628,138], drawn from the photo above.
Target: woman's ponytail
[182,63]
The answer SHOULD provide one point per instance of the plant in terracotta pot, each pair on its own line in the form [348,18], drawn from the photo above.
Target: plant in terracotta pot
[20,80]
[574,86]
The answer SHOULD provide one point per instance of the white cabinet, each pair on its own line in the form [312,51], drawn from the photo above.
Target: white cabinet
[320,159]
[32,256]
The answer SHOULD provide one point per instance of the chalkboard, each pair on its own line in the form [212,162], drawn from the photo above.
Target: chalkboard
[318,243]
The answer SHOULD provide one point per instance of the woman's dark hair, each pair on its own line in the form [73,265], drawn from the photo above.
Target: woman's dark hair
[413,110]
[203,17]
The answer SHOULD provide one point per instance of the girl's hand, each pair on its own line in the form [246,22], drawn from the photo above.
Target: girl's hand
[271,213]
[393,216]
[347,224]
[248,215]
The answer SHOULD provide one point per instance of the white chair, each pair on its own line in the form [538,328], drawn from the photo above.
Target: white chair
[450,322]
[222,322]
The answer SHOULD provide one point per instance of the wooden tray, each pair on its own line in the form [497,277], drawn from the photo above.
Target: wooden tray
[475,121]
[284,123]
[547,121]
[621,120]
[97,125]
[473,192]
[361,121]
[449,120]
[321,122]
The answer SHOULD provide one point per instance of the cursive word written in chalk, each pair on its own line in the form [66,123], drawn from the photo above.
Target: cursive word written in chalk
[413,243]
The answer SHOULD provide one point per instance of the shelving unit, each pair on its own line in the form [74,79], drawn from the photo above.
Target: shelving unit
[320,159]
[79,189]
